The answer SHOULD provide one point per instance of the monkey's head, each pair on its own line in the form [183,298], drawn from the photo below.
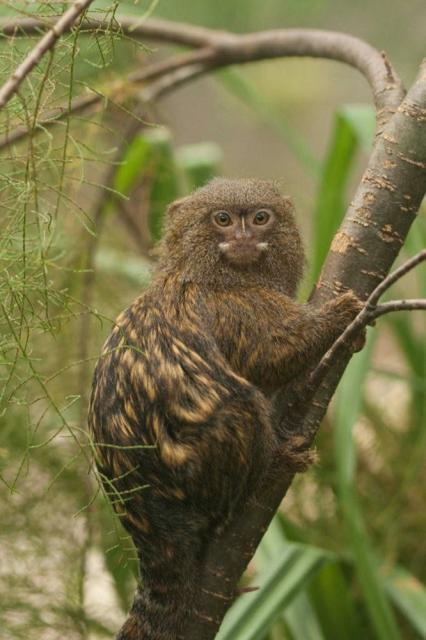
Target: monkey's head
[234,232]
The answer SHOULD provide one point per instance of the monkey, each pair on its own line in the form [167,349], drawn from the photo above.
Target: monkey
[181,404]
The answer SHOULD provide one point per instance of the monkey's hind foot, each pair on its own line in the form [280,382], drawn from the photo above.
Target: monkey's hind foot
[295,456]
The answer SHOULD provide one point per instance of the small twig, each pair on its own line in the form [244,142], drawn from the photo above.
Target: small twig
[152,29]
[147,74]
[219,49]
[173,80]
[370,312]
[64,23]
[394,276]
[414,304]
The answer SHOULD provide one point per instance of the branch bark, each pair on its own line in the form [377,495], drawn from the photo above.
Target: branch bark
[378,219]
[220,48]
[361,255]
[165,69]
[370,312]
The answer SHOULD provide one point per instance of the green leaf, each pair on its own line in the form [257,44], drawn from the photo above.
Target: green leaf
[409,595]
[254,613]
[150,156]
[348,404]
[135,270]
[164,179]
[328,587]
[199,163]
[300,618]
[134,162]
[273,543]
[353,127]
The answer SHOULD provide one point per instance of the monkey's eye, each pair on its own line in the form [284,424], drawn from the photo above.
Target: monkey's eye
[223,219]
[262,216]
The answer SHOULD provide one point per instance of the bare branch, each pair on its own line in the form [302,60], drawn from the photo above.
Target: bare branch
[384,82]
[414,304]
[64,23]
[131,83]
[367,315]
[373,231]
[221,49]
[172,81]
[394,276]
[152,29]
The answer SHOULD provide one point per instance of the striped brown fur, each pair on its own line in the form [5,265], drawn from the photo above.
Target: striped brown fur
[183,388]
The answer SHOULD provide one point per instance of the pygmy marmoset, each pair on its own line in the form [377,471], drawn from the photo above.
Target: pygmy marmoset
[189,370]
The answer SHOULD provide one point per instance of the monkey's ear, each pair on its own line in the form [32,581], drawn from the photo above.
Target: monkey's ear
[176,205]
[288,203]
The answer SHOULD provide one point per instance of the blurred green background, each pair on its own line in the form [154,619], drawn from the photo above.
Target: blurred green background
[346,558]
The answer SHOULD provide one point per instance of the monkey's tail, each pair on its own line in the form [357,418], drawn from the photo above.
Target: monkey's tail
[162,603]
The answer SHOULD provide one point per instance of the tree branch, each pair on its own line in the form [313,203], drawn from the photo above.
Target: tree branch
[47,42]
[232,48]
[370,312]
[126,87]
[414,304]
[152,29]
[378,219]
[219,49]
[362,253]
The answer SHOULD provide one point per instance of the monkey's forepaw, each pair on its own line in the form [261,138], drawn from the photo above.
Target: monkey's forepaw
[296,456]
[345,308]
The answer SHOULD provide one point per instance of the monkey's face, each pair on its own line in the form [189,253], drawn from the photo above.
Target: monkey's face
[242,235]
[232,230]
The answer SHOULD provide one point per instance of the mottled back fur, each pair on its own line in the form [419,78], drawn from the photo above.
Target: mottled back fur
[180,409]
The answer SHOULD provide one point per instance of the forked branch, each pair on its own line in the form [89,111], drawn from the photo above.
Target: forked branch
[362,252]
[191,64]
[214,49]
[367,315]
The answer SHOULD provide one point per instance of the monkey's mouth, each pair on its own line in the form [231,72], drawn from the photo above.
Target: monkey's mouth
[242,253]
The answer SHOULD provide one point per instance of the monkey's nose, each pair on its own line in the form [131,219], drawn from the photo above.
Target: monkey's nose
[242,233]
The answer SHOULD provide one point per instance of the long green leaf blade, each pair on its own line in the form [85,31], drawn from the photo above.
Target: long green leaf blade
[353,127]
[329,587]
[238,84]
[409,595]
[300,617]
[348,404]
[164,179]
[253,615]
